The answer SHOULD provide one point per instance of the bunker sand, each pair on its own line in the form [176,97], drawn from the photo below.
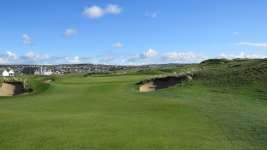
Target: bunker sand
[11,88]
[162,83]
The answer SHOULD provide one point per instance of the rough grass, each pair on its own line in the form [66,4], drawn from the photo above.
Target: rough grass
[224,108]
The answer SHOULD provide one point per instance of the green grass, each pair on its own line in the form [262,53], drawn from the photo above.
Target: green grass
[224,108]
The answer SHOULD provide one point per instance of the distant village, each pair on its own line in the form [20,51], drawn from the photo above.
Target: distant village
[48,70]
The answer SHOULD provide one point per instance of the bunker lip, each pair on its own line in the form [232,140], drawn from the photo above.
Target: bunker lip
[12,88]
[163,82]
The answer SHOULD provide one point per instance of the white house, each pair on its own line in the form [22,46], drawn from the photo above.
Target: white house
[5,73]
[10,73]
[37,72]
[48,72]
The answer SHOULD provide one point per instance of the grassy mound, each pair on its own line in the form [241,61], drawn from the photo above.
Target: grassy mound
[234,73]
[215,61]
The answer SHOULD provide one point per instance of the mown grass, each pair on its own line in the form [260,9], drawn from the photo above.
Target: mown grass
[224,108]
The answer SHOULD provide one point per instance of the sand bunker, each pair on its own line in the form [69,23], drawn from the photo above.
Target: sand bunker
[162,83]
[48,81]
[11,88]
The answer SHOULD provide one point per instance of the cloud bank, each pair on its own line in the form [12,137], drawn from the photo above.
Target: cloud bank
[182,57]
[253,44]
[150,56]
[7,57]
[242,55]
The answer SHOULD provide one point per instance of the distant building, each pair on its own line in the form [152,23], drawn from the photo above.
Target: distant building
[37,72]
[58,73]
[44,72]
[5,73]
[9,73]
[48,73]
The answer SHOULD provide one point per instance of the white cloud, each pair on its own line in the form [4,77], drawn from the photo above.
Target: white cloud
[241,55]
[113,9]
[11,56]
[149,53]
[2,60]
[118,45]
[70,32]
[146,56]
[73,60]
[252,44]
[95,12]
[35,57]
[151,56]
[184,57]
[26,39]
[7,57]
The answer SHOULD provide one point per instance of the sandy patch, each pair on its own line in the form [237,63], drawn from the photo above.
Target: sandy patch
[162,83]
[11,88]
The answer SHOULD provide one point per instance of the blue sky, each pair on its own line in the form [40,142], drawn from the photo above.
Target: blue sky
[131,31]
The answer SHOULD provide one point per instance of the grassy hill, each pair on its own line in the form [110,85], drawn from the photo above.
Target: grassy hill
[223,108]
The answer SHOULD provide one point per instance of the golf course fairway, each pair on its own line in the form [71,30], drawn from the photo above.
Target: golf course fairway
[223,108]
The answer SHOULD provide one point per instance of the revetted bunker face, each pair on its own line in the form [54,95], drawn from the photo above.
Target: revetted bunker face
[11,88]
[162,83]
